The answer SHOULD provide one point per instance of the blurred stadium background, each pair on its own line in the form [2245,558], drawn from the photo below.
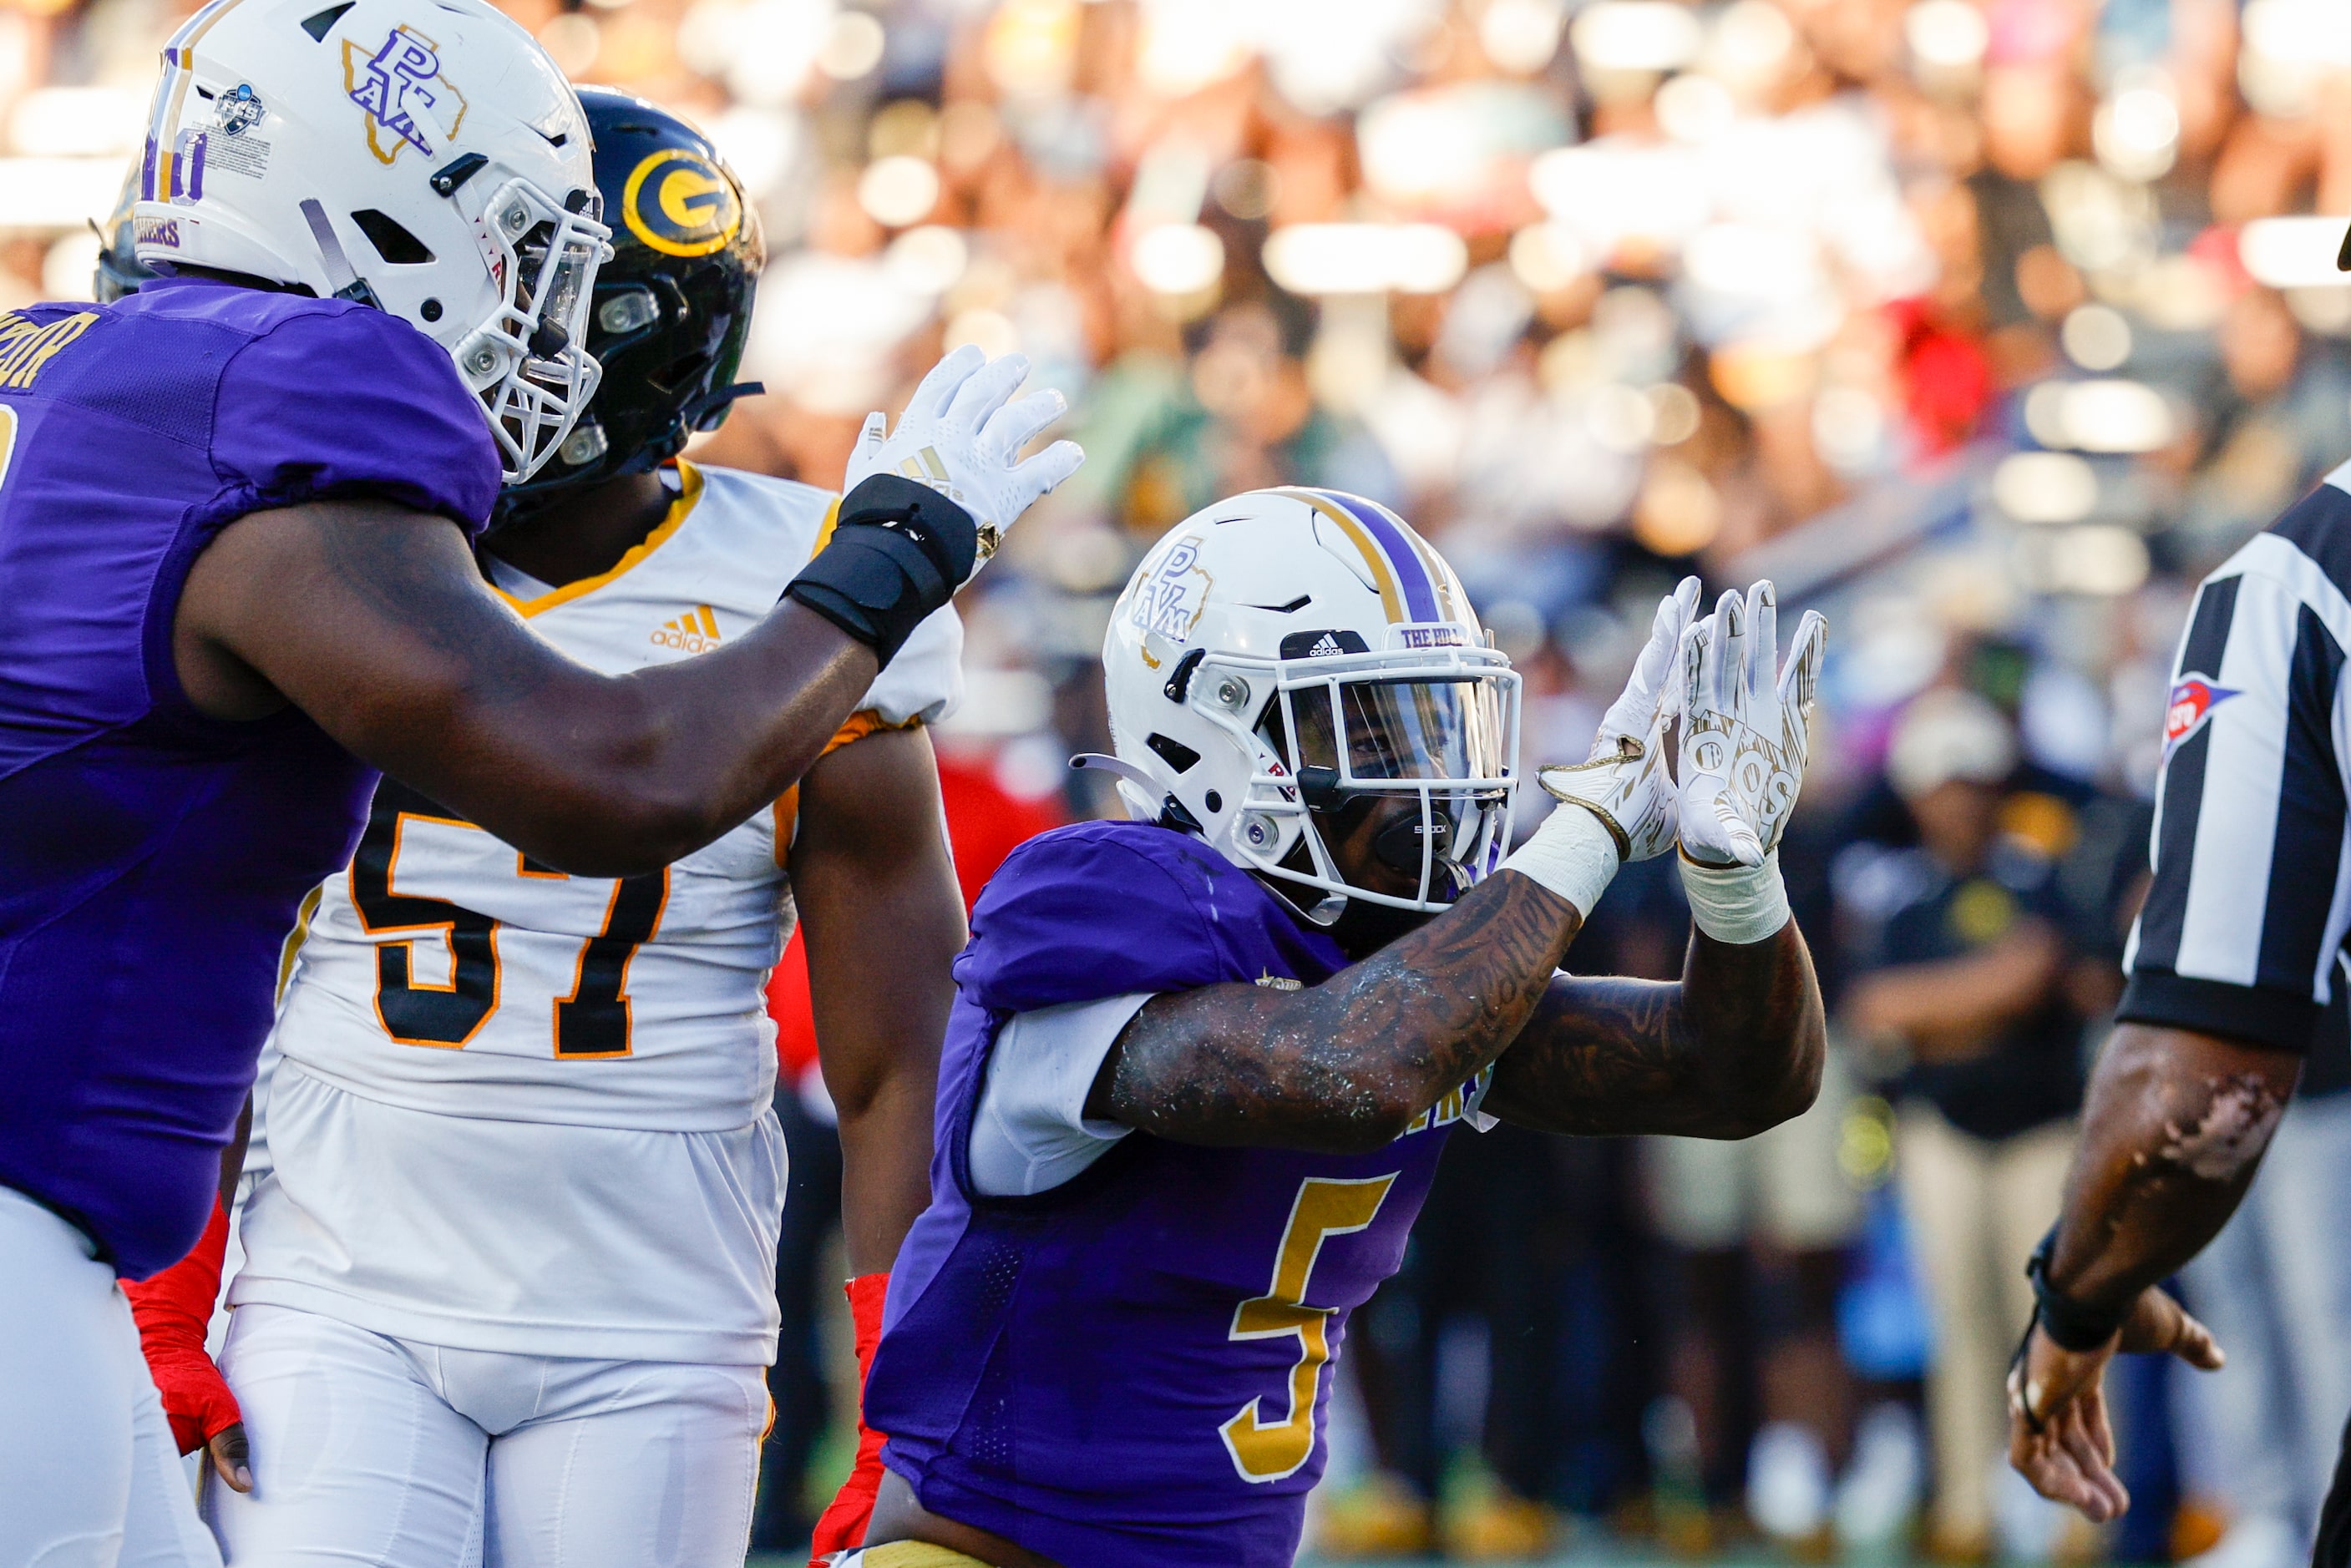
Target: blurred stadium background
[1985,326]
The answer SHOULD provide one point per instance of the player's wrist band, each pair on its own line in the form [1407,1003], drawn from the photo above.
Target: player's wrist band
[899,551]
[1573,854]
[2069,1325]
[1736,904]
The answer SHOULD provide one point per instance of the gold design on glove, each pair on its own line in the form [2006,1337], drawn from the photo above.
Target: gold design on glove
[1620,779]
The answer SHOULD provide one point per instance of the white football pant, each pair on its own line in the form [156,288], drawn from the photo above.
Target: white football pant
[373,1449]
[90,1477]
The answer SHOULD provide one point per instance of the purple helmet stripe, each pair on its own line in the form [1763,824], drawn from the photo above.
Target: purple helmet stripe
[1412,575]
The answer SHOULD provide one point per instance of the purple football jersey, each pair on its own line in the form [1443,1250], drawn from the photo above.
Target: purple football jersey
[1131,1369]
[151,859]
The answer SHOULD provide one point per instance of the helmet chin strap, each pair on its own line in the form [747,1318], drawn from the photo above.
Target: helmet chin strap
[1119,766]
[348,284]
[1169,806]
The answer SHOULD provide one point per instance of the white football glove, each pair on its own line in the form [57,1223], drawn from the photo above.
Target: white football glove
[1743,734]
[960,437]
[1626,782]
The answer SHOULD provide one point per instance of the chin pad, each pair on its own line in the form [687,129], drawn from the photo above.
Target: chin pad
[1398,846]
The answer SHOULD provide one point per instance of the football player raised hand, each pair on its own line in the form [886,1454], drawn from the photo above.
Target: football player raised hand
[1744,736]
[1627,782]
[962,435]
[898,550]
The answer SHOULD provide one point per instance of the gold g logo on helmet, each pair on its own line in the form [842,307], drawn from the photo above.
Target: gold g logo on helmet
[681,204]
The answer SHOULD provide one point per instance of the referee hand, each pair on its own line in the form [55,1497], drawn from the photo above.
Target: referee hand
[2058,1436]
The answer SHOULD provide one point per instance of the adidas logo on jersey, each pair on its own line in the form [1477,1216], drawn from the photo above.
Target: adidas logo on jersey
[693,632]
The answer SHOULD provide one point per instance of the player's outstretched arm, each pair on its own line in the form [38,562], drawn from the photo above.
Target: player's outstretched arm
[375,621]
[1731,1048]
[882,916]
[1345,1065]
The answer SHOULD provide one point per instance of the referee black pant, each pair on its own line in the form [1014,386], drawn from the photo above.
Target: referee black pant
[2333,1547]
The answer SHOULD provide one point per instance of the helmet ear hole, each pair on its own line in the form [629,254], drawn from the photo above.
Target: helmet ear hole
[1173,751]
[394,242]
[681,372]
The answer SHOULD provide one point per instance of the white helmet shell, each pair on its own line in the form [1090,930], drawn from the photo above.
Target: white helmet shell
[1286,650]
[424,156]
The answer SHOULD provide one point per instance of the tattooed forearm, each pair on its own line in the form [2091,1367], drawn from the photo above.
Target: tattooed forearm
[1348,1063]
[1732,1047]
[2173,1129]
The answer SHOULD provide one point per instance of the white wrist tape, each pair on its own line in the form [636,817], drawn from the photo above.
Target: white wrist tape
[1573,854]
[1737,904]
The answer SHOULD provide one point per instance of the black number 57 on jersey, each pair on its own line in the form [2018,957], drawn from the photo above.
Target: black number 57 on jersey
[592,1021]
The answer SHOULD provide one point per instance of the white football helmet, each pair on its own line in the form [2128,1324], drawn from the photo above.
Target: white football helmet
[1286,651]
[424,156]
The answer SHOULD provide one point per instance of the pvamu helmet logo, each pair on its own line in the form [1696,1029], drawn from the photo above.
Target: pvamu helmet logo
[408,102]
[681,204]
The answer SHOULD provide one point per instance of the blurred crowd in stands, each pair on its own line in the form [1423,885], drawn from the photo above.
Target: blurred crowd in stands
[1985,327]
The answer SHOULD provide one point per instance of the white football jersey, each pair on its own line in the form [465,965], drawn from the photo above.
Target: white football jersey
[448,987]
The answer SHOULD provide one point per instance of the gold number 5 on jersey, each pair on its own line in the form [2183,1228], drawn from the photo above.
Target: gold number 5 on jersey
[1267,1451]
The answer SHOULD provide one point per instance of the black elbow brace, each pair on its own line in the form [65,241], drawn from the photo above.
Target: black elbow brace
[899,551]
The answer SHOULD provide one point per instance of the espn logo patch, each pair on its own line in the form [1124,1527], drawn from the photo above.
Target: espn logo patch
[2192,701]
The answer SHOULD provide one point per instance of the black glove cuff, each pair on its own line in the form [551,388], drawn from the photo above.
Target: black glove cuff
[2068,1324]
[899,551]
[947,534]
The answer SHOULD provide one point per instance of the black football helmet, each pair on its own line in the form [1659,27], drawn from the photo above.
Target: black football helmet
[672,305]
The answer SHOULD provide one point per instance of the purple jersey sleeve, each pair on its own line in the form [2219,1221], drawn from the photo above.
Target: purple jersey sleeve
[339,403]
[1099,909]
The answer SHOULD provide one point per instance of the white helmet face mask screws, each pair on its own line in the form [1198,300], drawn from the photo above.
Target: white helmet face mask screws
[1285,653]
[421,156]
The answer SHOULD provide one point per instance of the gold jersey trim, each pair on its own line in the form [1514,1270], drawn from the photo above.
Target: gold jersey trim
[679,509]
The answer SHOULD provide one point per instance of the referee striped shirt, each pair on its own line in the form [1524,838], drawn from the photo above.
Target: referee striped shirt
[2253,870]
